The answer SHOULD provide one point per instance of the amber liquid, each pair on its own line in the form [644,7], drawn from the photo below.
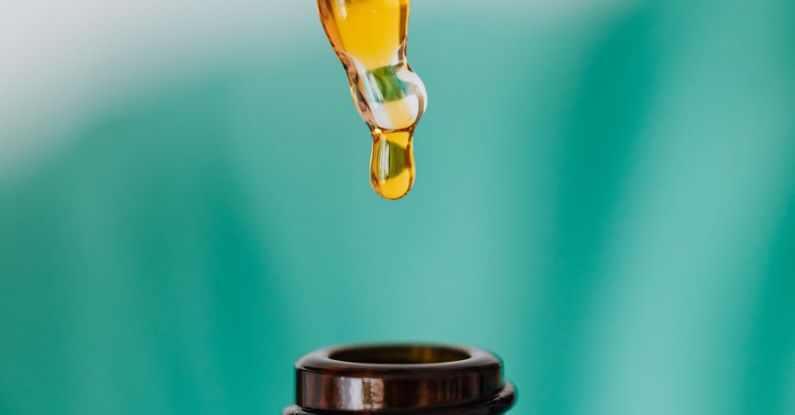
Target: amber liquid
[369,37]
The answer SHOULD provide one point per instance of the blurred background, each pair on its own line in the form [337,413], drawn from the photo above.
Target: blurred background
[605,198]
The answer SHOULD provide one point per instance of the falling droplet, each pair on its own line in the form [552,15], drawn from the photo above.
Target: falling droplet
[392,163]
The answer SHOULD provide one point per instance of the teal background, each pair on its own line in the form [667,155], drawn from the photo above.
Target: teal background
[605,198]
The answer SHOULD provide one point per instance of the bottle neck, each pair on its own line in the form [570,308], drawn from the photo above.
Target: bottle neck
[409,379]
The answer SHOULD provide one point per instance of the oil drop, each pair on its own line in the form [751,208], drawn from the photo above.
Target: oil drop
[369,37]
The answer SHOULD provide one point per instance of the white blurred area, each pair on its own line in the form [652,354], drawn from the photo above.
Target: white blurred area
[61,61]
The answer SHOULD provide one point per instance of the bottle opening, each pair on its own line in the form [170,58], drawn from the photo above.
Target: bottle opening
[400,355]
[401,378]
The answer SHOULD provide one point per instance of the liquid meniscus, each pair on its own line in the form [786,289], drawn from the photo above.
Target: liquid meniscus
[369,37]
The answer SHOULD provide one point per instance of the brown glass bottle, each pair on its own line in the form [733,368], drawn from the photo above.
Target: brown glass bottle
[411,379]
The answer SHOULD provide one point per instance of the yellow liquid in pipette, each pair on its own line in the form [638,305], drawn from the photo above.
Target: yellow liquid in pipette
[369,37]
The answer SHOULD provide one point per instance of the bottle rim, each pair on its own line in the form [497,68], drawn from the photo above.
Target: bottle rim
[400,376]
